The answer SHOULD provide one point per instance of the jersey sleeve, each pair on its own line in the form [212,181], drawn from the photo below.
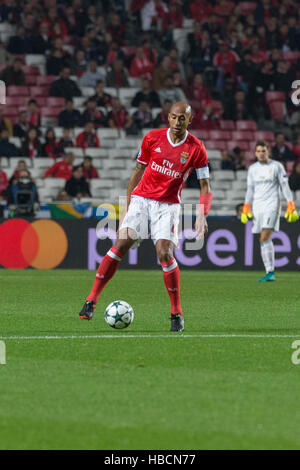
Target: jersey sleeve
[250,188]
[201,163]
[284,183]
[143,155]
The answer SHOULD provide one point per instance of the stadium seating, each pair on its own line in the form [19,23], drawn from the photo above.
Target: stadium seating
[38,91]
[227,125]
[116,156]
[216,144]
[277,110]
[275,96]
[246,125]
[220,135]
[242,135]
[17,91]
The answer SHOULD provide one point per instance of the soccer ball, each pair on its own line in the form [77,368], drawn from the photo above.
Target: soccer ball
[119,314]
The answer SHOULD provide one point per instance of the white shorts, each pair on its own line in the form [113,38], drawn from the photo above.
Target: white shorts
[159,219]
[263,220]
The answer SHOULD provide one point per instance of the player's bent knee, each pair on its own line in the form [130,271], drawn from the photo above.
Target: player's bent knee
[124,241]
[265,236]
[164,251]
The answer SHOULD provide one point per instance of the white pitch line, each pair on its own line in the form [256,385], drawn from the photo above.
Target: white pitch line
[137,336]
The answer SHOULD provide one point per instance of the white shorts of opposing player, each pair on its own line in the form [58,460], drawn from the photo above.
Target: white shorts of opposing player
[148,217]
[265,219]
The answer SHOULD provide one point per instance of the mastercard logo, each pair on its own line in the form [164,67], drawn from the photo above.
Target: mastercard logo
[42,244]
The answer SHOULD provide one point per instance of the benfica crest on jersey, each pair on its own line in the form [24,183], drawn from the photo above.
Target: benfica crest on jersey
[183,157]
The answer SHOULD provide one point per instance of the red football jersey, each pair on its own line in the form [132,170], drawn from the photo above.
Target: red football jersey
[168,164]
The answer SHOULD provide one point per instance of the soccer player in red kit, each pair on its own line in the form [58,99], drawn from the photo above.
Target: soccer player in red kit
[165,159]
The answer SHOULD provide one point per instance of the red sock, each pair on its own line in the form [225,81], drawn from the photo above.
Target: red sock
[105,272]
[172,282]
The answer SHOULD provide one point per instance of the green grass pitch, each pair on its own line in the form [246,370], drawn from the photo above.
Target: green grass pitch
[227,382]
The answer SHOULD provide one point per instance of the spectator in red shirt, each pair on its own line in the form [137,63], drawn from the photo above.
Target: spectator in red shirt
[114,53]
[62,168]
[50,148]
[173,18]
[262,37]
[88,138]
[257,56]
[149,51]
[225,59]
[3,181]
[200,10]
[198,92]
[117,75]
[205,118]
[57,27]
[116,28]
[32,146]
[89,171]
[152,14]
[223,8]
[33,116]
[140,64]
[296,148]
[118,117]
[248,38]
[93,114]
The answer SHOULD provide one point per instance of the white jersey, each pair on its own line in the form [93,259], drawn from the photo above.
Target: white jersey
[264,182]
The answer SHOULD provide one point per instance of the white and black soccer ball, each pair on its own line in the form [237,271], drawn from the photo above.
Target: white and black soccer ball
[119,314]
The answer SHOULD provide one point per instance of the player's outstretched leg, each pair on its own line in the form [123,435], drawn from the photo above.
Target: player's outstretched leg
[171,276]
[267,254]
[105,272]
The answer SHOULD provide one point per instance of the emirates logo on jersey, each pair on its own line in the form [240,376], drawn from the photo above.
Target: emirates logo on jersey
[183,157]
[166,169]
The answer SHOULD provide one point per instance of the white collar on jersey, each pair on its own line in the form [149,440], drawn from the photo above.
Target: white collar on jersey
[179,143]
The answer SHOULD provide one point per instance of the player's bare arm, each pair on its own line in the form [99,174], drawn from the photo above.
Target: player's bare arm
[134,180]
[201,226]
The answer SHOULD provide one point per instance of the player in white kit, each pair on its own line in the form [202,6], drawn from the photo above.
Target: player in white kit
[266,178]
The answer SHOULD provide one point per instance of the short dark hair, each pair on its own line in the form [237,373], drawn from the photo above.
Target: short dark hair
[75,168]
[262,143]
[32,101]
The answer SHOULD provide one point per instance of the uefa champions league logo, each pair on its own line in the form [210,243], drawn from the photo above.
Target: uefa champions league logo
[295,97]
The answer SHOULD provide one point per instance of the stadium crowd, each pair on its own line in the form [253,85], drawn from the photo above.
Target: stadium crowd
[236,62]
